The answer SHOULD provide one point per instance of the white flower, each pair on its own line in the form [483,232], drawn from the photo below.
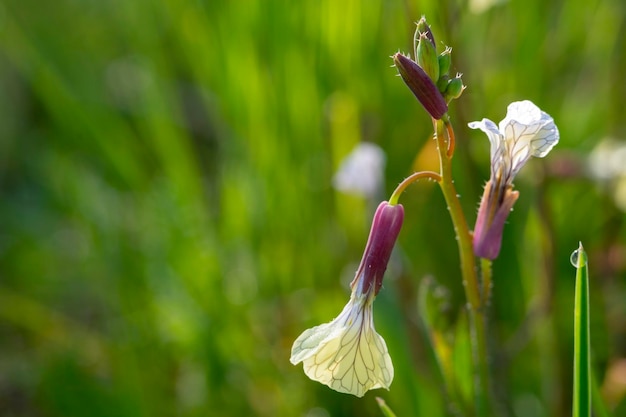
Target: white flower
[525,131]
[607,164]
[362,171]
[346,354]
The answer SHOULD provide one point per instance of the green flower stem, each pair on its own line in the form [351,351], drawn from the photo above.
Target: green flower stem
[445,140]
[393,200]
[485,272]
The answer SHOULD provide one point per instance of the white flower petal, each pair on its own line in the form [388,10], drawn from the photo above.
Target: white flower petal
[493,133]
[346,354]
[518,139]
[525,131]
[529,127]
[524,112]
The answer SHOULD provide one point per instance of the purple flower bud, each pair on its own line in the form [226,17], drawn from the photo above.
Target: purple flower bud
[493,212]
[421,85]
[383,234]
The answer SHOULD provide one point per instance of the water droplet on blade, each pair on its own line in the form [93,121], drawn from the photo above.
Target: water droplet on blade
[574,258]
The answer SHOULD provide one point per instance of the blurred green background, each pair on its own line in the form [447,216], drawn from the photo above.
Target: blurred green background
[168,225]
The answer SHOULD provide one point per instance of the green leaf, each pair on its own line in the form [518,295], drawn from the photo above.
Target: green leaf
[582,368]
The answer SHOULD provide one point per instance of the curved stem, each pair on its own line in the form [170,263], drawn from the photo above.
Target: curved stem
[445,147]
[393,200]
[451,139]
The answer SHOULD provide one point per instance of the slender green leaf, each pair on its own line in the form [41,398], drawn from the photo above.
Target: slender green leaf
[582,369]
[385,408]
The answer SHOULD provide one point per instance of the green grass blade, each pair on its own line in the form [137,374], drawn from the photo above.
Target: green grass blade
[582,369]
[385,408]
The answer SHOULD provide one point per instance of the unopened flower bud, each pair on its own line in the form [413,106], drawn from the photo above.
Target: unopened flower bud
[426,56]
[421,85]
[423,28]
[454,89]
[442,83]
[445,61]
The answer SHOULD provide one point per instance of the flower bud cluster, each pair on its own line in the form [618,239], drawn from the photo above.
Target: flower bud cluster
[436,66]
[428,76]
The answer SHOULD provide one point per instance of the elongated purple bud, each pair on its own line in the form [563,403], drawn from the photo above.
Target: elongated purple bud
[421,85]
[383,234]
[492,215]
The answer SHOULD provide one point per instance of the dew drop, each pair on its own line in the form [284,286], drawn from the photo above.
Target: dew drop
[574,258]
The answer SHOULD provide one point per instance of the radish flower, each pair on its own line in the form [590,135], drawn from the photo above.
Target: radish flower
[525,131]
[348,354]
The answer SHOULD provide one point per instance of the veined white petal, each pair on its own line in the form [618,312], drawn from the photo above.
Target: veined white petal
[346,354]
[525,112]
[529,127]
[493,133]
[525,131]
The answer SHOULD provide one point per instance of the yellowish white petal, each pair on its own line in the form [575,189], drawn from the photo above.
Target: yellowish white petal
[346,354]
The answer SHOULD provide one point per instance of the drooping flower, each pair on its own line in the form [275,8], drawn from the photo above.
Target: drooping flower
[348,354]
[525,131]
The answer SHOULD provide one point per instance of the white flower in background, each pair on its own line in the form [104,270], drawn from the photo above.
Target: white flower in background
[348,354]
[608,160]
[607,164]
[362,171]
[525,131]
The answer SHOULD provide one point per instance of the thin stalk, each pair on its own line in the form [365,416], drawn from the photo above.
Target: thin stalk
[486,274]
[445,138]
[393,200]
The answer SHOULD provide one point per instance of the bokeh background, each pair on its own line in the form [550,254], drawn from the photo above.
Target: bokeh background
[169,227]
